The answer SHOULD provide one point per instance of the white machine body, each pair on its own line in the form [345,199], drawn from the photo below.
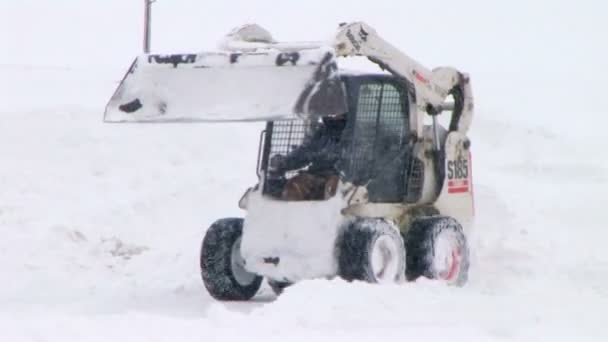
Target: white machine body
[290,241]
[256,78]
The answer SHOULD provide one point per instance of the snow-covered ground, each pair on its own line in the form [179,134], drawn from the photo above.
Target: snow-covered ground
[101,224]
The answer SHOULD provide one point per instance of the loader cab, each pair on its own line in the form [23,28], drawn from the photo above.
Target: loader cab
[375,146]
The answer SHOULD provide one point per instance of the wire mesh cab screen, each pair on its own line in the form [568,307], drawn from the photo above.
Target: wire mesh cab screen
[282,138]
[379,155]
[375,149]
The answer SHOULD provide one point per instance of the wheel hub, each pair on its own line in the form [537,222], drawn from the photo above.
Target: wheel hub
[237,265]
[385,263]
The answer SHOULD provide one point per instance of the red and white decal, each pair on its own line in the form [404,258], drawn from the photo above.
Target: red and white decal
[458,186]
[419,77]
[458,176]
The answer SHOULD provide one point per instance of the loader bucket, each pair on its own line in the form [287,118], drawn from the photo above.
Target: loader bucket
[229,86]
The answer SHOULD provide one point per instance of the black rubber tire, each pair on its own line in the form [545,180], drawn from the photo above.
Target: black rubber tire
[216,262]
[355,248]
[420,244]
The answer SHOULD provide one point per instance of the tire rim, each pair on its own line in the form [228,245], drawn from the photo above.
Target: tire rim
[385,259]
[448,258]
[237,266]
[451,272]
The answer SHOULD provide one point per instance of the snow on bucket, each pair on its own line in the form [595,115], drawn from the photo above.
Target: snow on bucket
[229,86]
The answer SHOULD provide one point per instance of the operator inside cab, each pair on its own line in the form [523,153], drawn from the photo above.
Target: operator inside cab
[320,152]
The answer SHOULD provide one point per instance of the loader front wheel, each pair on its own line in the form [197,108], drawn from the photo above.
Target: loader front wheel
[437,249]
[371,250]
[222,266]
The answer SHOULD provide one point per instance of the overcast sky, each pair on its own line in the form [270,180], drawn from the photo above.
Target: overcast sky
[543,55]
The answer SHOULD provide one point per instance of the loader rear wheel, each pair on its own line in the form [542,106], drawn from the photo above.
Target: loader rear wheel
[371,250]
[222,267]
[437,249]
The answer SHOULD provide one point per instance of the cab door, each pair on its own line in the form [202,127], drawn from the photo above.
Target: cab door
[379,149]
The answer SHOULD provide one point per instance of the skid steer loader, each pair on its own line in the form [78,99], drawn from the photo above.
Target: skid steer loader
[352,182]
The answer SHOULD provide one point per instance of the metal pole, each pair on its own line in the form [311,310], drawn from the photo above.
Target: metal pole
[147,24]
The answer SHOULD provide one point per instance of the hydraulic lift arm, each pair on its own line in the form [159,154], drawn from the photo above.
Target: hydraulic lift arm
[432,87]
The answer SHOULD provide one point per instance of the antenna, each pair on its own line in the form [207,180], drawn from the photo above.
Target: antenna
[147,24]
